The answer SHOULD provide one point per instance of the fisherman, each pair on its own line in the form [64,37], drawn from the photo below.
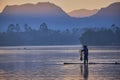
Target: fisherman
[85,52]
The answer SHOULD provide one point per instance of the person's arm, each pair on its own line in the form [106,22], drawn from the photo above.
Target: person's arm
[82,50]
[81,55]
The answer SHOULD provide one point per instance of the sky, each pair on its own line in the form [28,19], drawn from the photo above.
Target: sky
[66,5]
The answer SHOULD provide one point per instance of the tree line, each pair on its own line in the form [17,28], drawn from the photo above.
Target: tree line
[101,36]
[45,36]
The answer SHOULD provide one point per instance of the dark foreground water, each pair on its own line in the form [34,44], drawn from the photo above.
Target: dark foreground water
[46,63]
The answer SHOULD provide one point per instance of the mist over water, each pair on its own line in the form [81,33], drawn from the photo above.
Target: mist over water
[46,63]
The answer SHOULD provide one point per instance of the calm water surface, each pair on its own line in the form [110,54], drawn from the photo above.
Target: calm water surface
[46,63]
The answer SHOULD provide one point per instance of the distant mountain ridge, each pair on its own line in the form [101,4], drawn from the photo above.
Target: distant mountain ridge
[111,10]
[34,15]
[81,13]
[107,15]
[39,9]
[55,17]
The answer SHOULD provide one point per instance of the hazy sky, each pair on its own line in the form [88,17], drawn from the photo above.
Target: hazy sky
[66,5]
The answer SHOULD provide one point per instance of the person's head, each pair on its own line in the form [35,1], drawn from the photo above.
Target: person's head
[84,46]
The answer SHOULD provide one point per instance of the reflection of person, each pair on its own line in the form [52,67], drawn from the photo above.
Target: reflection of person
[85,51]
[84,71]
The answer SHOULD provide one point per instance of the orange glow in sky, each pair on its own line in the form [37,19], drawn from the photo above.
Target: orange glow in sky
[66,5]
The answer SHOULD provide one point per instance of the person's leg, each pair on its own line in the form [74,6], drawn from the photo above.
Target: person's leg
[85,59]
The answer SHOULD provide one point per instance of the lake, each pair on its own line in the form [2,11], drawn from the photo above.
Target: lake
[46,63]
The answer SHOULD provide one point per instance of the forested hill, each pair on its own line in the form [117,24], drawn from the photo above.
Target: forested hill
[101,36]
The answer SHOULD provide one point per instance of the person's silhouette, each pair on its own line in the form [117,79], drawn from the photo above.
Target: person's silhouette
[85,52]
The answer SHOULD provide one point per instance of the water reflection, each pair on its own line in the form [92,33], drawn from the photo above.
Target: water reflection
[46,64]
[84,70]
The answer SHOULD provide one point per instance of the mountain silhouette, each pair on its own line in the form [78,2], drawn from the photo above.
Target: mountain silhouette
[34,15]
[81,13]
[111,10]
[55,17]
[106,16]
[40,9]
